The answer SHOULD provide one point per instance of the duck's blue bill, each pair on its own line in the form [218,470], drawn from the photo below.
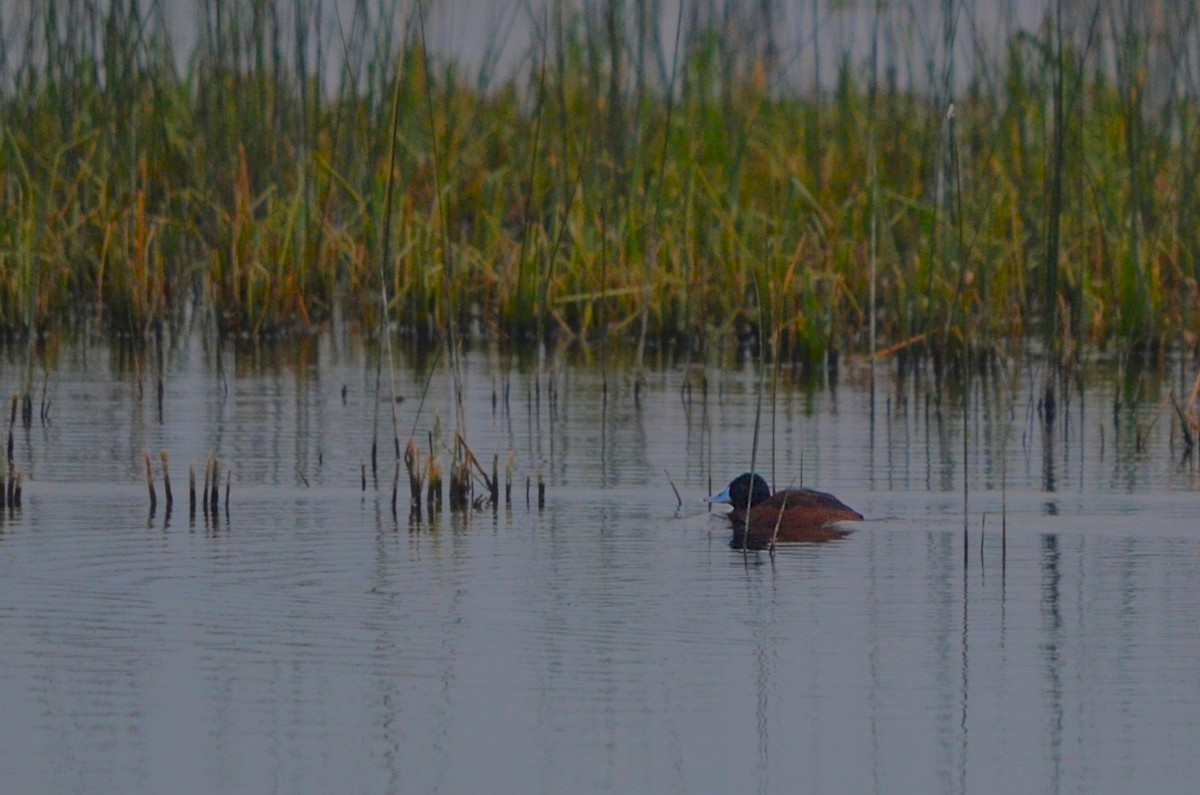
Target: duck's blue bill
[720,497]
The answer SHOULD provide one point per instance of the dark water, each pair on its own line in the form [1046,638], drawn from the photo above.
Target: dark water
[308,641]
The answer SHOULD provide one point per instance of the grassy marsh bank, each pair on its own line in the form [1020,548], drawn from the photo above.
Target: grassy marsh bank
[616,181]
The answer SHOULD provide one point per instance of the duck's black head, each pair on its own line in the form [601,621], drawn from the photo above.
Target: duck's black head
[744,487]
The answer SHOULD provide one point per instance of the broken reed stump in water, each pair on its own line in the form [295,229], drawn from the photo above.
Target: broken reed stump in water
[460,486]
[434,495]
[541,491]
[215,495]
[44,408]
[460,476]
[166,480]
[412,461]
[461,494]
[395,486]
[12,420]
[150,482]
[208,466]
[192,489]
[508,473]
[1187,424]
[494,485]
[228,483]
[10,486]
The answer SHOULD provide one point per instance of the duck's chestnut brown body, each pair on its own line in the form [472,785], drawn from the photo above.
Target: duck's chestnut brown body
[788,516]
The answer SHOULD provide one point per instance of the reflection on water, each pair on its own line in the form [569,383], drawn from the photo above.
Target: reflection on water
[309,640]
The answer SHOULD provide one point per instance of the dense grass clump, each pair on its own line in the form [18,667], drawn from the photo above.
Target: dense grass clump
[609,182]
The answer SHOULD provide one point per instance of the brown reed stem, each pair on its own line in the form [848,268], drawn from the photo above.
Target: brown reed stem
[12,420]
[494,485]
[150,482]
[208,473]
[412,460]
[384,259]
[44,407]
[678,499]
[982,532]
[214,495]
[778,519]
[745,550]
[470,458]
[166,480]
[395,486]
[192,489]
[434,495]
[460,486]
[508,473]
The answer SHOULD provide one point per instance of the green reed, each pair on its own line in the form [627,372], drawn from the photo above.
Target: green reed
[577,197]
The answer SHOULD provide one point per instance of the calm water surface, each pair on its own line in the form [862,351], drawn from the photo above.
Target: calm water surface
[309,641]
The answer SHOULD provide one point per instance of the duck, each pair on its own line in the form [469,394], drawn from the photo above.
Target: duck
[787,516]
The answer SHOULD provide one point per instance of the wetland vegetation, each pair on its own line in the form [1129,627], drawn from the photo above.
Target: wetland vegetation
[679,180]
[203,240]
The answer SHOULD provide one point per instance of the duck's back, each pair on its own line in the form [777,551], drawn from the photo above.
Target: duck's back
[787,499]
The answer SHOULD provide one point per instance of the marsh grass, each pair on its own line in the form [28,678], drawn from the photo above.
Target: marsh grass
[610,184]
